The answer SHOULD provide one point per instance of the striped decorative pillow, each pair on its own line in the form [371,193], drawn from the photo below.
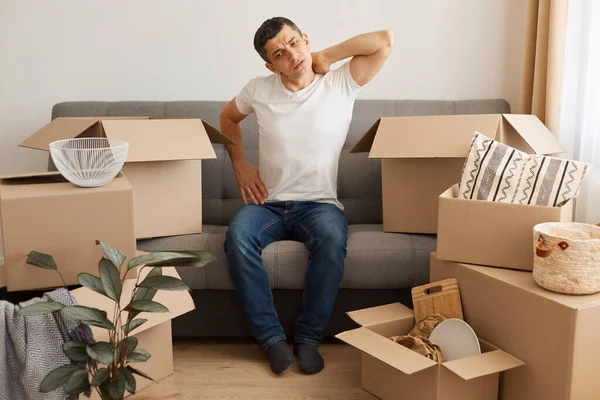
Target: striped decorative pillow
[494,171]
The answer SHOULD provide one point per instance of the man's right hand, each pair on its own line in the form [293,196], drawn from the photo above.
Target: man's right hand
[251,186]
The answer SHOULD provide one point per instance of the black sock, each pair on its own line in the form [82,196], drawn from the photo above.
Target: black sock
[280,356]
[311,361]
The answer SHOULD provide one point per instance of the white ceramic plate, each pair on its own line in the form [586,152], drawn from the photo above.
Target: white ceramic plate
[456,339]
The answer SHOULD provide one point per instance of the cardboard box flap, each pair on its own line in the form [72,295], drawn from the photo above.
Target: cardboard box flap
[58,129]
[389,352]
[380,314]
[177,302]
[535,133]
[366,141]
[431,137]
[161,139]
[487,363]
[215,136]
[15,177]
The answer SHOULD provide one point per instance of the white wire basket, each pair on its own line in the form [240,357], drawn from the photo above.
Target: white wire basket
[89,162]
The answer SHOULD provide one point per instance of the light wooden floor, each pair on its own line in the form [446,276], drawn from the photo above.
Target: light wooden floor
[221,370]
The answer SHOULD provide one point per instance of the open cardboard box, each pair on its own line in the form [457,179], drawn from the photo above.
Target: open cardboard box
[46,213]
[491,233]
[423,156]
[153,336]
[164,165]
[391,371]
[556,335]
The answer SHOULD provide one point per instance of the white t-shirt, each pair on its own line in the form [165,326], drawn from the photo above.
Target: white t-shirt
[301,133]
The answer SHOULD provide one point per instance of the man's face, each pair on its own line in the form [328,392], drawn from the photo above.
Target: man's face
[289,53]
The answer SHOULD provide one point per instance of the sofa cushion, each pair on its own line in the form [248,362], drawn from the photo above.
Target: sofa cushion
[375,259]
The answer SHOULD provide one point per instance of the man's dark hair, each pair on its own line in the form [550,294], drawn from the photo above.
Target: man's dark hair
[268,30]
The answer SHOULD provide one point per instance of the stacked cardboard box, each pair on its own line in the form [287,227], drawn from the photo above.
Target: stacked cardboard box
[422,161]
[158,193]
[556,335]
[489,248]
[164,165]
[423,156]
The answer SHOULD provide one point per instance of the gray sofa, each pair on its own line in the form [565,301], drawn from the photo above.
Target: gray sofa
[380,267]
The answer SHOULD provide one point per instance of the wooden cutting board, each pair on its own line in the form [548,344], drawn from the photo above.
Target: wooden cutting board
[441,297]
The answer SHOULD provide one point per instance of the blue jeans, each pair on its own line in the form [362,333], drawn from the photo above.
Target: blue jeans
[322,228]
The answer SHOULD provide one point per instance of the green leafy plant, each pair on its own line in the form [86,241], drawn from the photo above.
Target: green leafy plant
[109,363]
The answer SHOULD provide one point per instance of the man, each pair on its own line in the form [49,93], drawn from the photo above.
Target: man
[303,112]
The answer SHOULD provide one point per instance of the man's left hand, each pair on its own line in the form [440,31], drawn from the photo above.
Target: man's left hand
[319,63]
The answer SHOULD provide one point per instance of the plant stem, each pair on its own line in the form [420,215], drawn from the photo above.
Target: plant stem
[62,278]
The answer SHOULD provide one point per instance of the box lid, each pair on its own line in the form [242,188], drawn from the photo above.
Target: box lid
[447,136]
[483,364]
[389,352]
[150,139]
[380,314]
[46,184]
[177,302]
[535,133]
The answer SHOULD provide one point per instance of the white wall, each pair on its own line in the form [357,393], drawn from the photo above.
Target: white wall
[68,50]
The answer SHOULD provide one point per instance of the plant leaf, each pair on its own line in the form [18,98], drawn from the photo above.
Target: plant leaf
[116,388]
[140,373]
[75,350]
[90,316]
[138,355]
[101,352]
[41,308]
[130,383]
[58,377]
[91,282]
[100,376]
[147,306]
[132,343]
[111,279]
[164,283]
[78,382]
[104,389]
[41,260]
[201,258]
[145,293]
[133,324]
[116,256]
[157,257]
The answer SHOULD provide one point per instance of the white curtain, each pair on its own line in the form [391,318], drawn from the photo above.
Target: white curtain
[580,114]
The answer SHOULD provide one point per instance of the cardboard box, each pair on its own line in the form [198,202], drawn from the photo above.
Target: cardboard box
[153,336]
[46,213]
[391,371]
[556,335]
[424,156]
[164,165]
[491,233]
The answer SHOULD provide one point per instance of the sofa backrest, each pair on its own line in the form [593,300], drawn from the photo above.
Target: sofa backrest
[359,178]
